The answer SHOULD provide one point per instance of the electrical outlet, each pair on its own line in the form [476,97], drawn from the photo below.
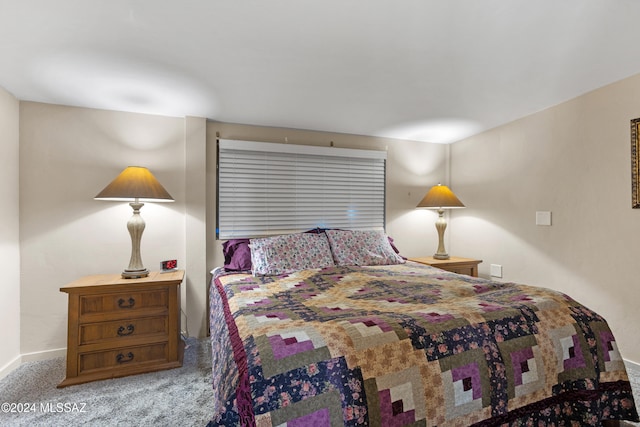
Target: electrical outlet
[543,218]
[496,270]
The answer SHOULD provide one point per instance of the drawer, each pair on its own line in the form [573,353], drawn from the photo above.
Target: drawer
[461,270]
[123,303]
[92,333]
[123,358]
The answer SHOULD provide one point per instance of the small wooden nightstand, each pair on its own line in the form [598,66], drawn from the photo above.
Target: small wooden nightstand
[120,327]
[454,264]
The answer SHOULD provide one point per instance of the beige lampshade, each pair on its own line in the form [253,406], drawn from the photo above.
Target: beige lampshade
[440,197]
[135,182]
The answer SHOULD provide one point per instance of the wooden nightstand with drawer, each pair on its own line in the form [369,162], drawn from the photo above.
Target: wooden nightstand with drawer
[119,327]
[454,264]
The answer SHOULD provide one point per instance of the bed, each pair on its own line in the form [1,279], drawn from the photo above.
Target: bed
[372,339]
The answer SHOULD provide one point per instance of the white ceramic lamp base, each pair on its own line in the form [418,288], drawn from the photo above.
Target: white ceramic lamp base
[135,225]
[441,225]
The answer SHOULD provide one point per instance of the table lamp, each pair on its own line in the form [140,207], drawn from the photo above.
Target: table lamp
[135,183]
[440,197]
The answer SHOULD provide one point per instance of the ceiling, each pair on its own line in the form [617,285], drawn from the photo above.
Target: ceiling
[426,70]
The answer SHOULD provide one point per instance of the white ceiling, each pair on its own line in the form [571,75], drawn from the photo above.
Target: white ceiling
[427,70]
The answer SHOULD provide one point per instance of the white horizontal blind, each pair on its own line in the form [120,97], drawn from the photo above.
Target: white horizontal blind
[267,189]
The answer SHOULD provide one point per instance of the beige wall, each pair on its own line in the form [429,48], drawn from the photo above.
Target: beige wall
[9,236]
[412,167]
[572,160]
[67,155]
[194,298]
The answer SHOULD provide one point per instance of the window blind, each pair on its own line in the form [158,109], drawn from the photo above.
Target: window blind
[267,189]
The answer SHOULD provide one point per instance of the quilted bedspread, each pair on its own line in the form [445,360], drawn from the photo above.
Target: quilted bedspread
[408,345]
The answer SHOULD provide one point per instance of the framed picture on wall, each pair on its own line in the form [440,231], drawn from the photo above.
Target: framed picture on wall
[635,173]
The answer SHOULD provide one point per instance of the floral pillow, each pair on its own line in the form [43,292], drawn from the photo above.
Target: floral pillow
[288,253]
[370,247]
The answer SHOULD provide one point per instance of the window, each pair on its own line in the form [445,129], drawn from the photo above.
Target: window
[266,189]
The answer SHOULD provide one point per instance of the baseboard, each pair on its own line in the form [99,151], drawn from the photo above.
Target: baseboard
[43,355]
[10,367]
[31,357]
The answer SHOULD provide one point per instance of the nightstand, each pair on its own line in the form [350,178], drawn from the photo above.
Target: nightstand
[454,264]
[120,327]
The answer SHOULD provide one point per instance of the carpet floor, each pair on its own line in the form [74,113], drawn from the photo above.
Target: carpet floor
[175,397]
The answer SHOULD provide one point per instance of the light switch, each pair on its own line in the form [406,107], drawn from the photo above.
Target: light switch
[543,218]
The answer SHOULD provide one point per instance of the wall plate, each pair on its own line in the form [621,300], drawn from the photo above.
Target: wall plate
[543,218]
[496,270]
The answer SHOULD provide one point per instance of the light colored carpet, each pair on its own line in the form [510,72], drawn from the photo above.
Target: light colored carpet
[634,379]
[175,397]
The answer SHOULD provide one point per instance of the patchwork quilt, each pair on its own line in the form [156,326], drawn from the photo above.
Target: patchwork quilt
[410,345]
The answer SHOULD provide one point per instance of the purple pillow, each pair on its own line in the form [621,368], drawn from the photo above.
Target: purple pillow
[317,230]
[393,245]
[237,255]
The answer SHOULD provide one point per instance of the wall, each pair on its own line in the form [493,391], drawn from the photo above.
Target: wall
[572,160]
[9,233]
[67,155]
[194,292]
[412,168]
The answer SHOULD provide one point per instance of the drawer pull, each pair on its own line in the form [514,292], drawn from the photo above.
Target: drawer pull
[120,358]
[131,302]
[129,330]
